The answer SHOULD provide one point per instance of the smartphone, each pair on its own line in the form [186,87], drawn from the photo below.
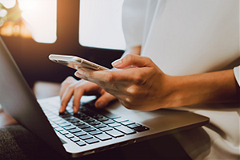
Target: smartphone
[75,62]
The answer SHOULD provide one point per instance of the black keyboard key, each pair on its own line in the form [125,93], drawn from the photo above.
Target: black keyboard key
[63,132]
[103,136]
[121,119]
[125,130]
[84,126]
[102,119]
[64,114]
[100,126]
[90,120]
[58,129]
[81,115]
[92,140]
[74,130]
[115,133]
[79,123]
[96,116]
[106,128]
[138,127]
[69,127]
[94,123]
[141,128]
[85,118]
[89,129]
[81,143]
[75,139]
[108,121]
[64,124]
[69,118]
[69,135]
[79,133]
[72,120]
[91,113]
[60,121]
[95,132]
[77,114]
[134,125]
[85,137]
[127,122]
[114,124]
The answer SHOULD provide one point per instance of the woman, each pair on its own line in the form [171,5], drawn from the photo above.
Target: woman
[186,48]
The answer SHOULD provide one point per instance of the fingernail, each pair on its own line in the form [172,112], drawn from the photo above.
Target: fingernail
[78,75]
[80,71]
[61,110]
[117,63]
[75,110]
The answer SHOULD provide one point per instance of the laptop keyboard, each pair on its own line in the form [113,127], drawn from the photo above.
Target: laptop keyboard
[89,125]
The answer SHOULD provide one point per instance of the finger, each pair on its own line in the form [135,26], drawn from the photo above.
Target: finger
[80,90]
[132,60]
[107,79]
[101,76]
[104,99]
[76,99]
[65,84]
[67,95]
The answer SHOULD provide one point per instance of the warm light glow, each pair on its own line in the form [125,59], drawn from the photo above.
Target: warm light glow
[41,15]
[3,13]
[15,29]
[100,24]
[8,3]
[28,5]
[39,20]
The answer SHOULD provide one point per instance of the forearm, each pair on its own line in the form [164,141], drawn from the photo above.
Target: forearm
[215,87]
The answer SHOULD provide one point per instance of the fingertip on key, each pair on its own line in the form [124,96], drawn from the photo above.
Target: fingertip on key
[61,110]
[75,110]
[99,105]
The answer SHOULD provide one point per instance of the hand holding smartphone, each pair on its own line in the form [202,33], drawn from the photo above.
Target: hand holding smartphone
[76,62]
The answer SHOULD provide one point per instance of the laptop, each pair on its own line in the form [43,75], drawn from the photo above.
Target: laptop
[90,130]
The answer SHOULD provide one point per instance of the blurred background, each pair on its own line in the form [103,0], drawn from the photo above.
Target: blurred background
[33,29]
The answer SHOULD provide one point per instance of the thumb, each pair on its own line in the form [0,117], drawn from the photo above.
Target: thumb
[104,99]
[132,60]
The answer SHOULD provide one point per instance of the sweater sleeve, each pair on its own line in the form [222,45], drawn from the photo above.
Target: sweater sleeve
[237,74]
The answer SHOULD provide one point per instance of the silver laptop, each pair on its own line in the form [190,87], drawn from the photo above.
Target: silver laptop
[90,130]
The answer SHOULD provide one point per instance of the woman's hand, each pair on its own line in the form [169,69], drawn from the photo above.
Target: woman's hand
[71,87]
[76,89]
[141,85]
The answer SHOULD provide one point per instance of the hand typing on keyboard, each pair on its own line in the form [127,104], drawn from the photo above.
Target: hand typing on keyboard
[76,89]
[90,125]
[72,87]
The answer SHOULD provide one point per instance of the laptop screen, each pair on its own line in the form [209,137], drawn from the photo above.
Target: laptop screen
[19,102]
